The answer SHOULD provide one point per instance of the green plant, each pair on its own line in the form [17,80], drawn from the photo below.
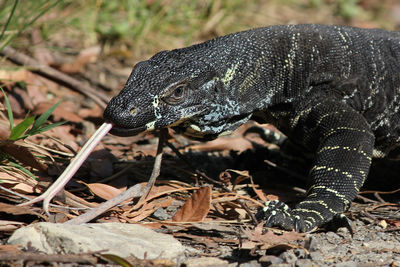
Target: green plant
[36,125]
[348,9]
[20,17]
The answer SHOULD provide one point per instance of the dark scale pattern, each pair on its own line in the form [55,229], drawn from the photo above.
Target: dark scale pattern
[332,89]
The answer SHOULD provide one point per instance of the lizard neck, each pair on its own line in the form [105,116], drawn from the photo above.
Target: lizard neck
[262,68]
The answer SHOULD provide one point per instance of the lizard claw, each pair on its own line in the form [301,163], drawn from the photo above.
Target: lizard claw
[280,215]
[340,220]
[301,219]
[297,226]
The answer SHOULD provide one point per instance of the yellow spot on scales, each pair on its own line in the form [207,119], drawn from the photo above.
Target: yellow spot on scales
[229,74]
[150,125]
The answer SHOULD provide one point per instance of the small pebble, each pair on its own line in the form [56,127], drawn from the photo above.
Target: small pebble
[253,263]
[288,256]
[161,214]
[304,263]
[316,256]
[270,259]
[383,224]
[346,264]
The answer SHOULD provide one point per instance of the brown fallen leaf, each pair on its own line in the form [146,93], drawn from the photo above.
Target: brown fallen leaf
[195,208]
[231,143]
[63,133]
[207,241]
[104,191]
[18,210]
[269,238]
[59,113]
[4,130]
[85,56]
[13,76]
[23,155]
[9,248]
[146,210]
[94,112]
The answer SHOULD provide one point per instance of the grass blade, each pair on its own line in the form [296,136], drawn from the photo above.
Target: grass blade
[9,19]
[42,118]
[45,128]
[18,130]
[23,169]
[9,110]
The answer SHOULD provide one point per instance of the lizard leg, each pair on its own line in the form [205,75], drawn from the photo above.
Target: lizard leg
[343,144]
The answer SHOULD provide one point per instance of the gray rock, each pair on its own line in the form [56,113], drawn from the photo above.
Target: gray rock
[300,253]
[252,263]
[270,259]
[346,264]
[288,256]
[161,214]
[206,262]
[117,238]
[304,263]
[316,256]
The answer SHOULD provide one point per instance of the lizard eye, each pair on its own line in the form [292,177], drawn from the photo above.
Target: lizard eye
[176,96]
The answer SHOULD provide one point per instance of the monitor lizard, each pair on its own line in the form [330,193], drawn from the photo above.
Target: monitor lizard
[332,89]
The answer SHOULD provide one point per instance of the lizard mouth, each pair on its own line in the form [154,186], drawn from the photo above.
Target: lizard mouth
[122,131]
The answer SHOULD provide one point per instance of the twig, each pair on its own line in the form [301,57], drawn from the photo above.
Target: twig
[54,75]
[132,192]
[378,197]
[14,193]
[157,166]
[380,192]
[365,199]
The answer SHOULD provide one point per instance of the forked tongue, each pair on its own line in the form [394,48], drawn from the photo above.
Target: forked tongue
[72,168]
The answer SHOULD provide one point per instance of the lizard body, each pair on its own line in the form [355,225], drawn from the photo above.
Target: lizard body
[334,90]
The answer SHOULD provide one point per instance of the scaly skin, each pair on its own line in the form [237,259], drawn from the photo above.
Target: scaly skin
[334,90]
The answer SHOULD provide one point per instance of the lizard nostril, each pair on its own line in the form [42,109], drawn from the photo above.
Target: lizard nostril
[132,111]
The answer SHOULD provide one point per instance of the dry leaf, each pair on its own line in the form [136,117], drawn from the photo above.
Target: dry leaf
[63,133]
[104,191]
[9,248]
[230,143]
[269,238]
[4,131]
[23,155]
[16,210]
[14,76]
[143,214]
[196,208]
[58,114]
[94,112]
[85,56]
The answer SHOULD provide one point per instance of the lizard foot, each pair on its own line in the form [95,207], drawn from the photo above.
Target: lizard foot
[278,214]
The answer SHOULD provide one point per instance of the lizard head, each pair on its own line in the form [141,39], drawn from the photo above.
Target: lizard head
[174,89]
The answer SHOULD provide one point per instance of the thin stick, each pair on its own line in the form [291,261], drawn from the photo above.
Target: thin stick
[157,166]
[132,192]
[54,75]
[59,184]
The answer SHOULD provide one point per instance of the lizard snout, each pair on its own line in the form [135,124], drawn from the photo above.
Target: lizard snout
[127,120]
